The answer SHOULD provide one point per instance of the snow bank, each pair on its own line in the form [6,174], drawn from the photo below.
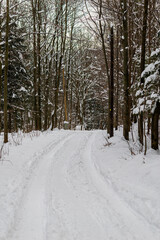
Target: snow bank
[134,178]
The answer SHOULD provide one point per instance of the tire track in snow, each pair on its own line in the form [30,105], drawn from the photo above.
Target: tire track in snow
[30,217]
[69,199]
[69,218]
[84,205]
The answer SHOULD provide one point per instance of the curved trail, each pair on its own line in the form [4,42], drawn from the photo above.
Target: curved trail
[68,199]
[84,205]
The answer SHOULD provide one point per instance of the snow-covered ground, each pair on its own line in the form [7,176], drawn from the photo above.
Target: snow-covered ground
[68,185]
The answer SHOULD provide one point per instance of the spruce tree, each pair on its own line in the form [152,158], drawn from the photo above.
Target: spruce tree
[18,85]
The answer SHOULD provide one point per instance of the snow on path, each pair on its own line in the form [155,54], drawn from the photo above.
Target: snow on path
[68,197]
[31,217]
[84,205]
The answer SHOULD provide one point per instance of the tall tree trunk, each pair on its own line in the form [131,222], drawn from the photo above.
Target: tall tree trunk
[71,98]
[48,71]
[69,60]
[6,74]
[117,80]
[126,117]
[105,59]
[143,53]
[0,66]
[47,83]
[35,64]
[54,117]
[63,45]
[130,54]
[111,87]
[46,78]
[39,67]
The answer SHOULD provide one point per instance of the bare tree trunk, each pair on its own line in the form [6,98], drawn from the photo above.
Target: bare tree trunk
[0,66]
[71,98]
[144,30]
[61,113]
[6,74]
[106,61]
[46,77]
[35,64]
[9,120]
[69,60]
[39,67]
[63,44]
[130,54]
[111,87]
[48,71]
[126,117]
[117,81]
[154,134]
[143,53]
[65,100]
[15,121]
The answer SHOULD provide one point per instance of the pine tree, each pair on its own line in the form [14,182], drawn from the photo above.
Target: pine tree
[151,102]
[17,79]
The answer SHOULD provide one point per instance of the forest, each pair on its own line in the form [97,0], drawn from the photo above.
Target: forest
[88,63]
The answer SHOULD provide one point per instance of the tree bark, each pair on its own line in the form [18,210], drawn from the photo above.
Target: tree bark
[39,68]
[126,117]
[6,74]
[143,53]
[0,66]
[111,87]
[154,134]
[106,63]
[35,65]
[63,45]
[65,99]
[117,80]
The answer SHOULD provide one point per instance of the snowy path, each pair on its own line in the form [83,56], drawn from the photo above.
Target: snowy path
[83,204]
[31,217]
[67,197]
